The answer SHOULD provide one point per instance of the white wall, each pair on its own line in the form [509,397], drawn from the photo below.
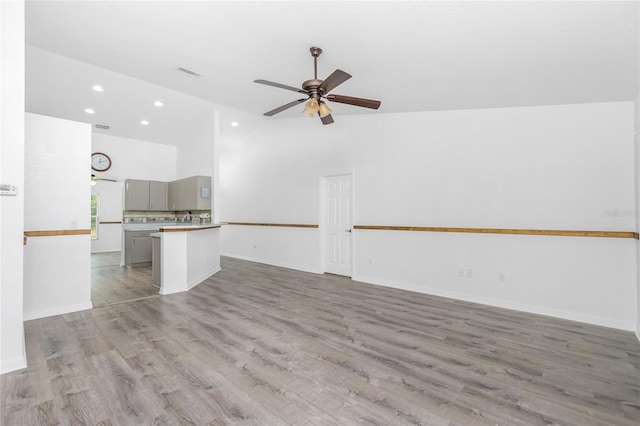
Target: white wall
[136,159]
[57,269]
[12,351]
[555,167]
[131,159]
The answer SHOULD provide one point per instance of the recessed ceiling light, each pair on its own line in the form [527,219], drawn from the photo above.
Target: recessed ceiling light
[234,124]
[158,103]
[144,122]
[98,88]
[89,111]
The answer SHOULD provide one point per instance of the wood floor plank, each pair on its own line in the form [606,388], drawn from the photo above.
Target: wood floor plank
[262,345]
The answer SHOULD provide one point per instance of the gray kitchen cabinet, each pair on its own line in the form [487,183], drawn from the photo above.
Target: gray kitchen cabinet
[176,195]
[192,193]
[137,248]
[158,195]
[136,195]
[156,269]
[203,193]
[198,192]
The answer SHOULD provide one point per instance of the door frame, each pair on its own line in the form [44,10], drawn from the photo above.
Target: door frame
[322,222]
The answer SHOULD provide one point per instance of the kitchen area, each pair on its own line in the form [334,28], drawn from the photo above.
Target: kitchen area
[168,226]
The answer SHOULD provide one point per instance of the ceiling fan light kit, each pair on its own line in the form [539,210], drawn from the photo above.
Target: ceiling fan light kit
[311,107]
[324,110]
[316,90]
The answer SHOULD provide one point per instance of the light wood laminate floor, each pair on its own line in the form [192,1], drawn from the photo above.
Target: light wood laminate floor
[261,345]
[112,283]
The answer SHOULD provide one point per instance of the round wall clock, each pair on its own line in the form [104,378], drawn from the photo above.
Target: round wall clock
[100,162]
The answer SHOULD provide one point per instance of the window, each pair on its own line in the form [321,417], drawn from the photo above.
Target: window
[94,216]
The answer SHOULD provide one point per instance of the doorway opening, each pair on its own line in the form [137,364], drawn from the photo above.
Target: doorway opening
[111,281]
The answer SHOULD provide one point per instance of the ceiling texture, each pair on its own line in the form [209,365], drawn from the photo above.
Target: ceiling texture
[412,55]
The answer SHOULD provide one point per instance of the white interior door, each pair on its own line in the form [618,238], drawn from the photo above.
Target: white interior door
[339,223]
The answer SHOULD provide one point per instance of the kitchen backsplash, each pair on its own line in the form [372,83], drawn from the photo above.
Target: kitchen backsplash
[128,216]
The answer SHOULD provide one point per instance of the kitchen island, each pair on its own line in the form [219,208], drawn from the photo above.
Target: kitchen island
[188,255]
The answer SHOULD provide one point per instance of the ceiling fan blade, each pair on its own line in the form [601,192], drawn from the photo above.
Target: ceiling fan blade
[334,80]
[284,107]
[327,119]
[97,178]
[361,102]
[282,86]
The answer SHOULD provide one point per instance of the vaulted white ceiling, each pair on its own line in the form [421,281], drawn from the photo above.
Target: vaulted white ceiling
[413,56]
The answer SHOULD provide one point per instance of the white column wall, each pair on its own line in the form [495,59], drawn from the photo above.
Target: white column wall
[198,157]
[57,269]
[553,167]
[636,142]
[12,351]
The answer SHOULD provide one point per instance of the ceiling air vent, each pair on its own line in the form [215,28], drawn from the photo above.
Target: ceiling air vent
[102,126]
[187,71]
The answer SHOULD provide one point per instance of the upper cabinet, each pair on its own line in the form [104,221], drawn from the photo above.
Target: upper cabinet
[145,195]
[136,194]
[192,193]
[176,195]
[158,196]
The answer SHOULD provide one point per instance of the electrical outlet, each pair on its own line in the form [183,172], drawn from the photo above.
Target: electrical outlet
[502,277]
[469,273]
[460,272]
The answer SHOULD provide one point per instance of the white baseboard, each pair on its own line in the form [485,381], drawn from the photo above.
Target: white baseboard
[13,364]
[266,262]
[523,307]
[58,310]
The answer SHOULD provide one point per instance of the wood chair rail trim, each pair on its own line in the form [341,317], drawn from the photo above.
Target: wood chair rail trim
[57,232]
[54,233]
[547,232]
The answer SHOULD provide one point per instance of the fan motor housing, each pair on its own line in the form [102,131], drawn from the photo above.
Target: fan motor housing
[312,86]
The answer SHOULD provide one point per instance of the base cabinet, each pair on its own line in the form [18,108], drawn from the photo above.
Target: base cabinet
[137,248]
[156,268]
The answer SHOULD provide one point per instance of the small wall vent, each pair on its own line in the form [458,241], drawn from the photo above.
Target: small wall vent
[188,71]
[102,126]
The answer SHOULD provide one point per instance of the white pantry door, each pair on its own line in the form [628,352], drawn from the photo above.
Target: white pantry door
[339,222]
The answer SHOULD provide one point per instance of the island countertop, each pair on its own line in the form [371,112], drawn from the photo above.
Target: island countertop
[187,227]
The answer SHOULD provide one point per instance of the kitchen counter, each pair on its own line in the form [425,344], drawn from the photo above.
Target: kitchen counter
[157,226]
[189,254]
[187,227]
